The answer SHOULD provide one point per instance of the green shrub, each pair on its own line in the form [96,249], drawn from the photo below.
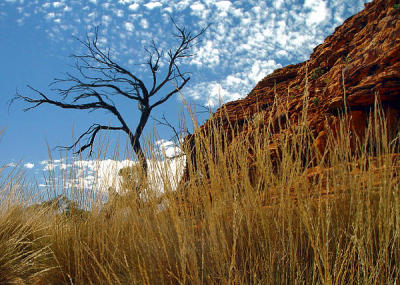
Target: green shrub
[316,73]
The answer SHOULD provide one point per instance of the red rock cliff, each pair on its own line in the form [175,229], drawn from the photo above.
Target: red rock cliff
[359,62]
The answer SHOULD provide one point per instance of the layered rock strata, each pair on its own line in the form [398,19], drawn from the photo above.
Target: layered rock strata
[355,68]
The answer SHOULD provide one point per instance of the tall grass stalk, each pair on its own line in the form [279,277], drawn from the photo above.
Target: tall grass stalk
[282,216]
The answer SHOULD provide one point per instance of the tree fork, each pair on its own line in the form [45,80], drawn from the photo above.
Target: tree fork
[99,79]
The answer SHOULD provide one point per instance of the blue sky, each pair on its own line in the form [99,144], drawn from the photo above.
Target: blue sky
[246,41]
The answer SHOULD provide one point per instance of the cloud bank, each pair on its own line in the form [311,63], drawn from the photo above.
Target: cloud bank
[99,175]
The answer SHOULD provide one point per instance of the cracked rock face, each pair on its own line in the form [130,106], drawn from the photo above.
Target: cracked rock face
[357,66]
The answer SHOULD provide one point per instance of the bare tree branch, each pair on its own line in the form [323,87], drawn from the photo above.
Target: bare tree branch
[166,123]
[98,80]
[170,94]
[92,132]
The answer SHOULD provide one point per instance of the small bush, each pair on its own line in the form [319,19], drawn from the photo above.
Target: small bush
[316,73]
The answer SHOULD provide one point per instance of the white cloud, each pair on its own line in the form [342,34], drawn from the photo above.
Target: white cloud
[90,17]
[119,13]
[319,12]
[29,165]
[219,95]
[233,86]
[223,5]
[106,20]
[57,4]
[207,54]
[49,166]
[100,175]
[260,69]
[278,3]
[168,148]
[133,6]
[50,15]
[93,2]
[181,5]
[152,5]
[197,6]
[144,23]
[168,9]
[199,10]
[129,26]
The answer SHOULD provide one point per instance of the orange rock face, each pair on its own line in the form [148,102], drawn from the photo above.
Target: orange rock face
[357,66]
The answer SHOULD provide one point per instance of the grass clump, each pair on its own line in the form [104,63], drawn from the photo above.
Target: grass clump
[285,215]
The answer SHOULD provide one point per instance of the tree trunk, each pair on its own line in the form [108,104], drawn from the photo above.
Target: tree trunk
[135,140]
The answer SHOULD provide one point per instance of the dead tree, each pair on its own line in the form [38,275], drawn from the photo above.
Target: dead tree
[100,79]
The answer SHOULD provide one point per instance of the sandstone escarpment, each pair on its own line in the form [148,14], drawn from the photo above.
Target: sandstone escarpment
[357,66]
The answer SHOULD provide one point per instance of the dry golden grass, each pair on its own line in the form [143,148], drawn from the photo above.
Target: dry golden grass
[337,223]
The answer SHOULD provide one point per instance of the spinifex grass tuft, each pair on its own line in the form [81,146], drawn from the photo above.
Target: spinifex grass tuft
[285,216]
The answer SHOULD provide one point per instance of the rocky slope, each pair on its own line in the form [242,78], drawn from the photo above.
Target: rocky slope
[356,66]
